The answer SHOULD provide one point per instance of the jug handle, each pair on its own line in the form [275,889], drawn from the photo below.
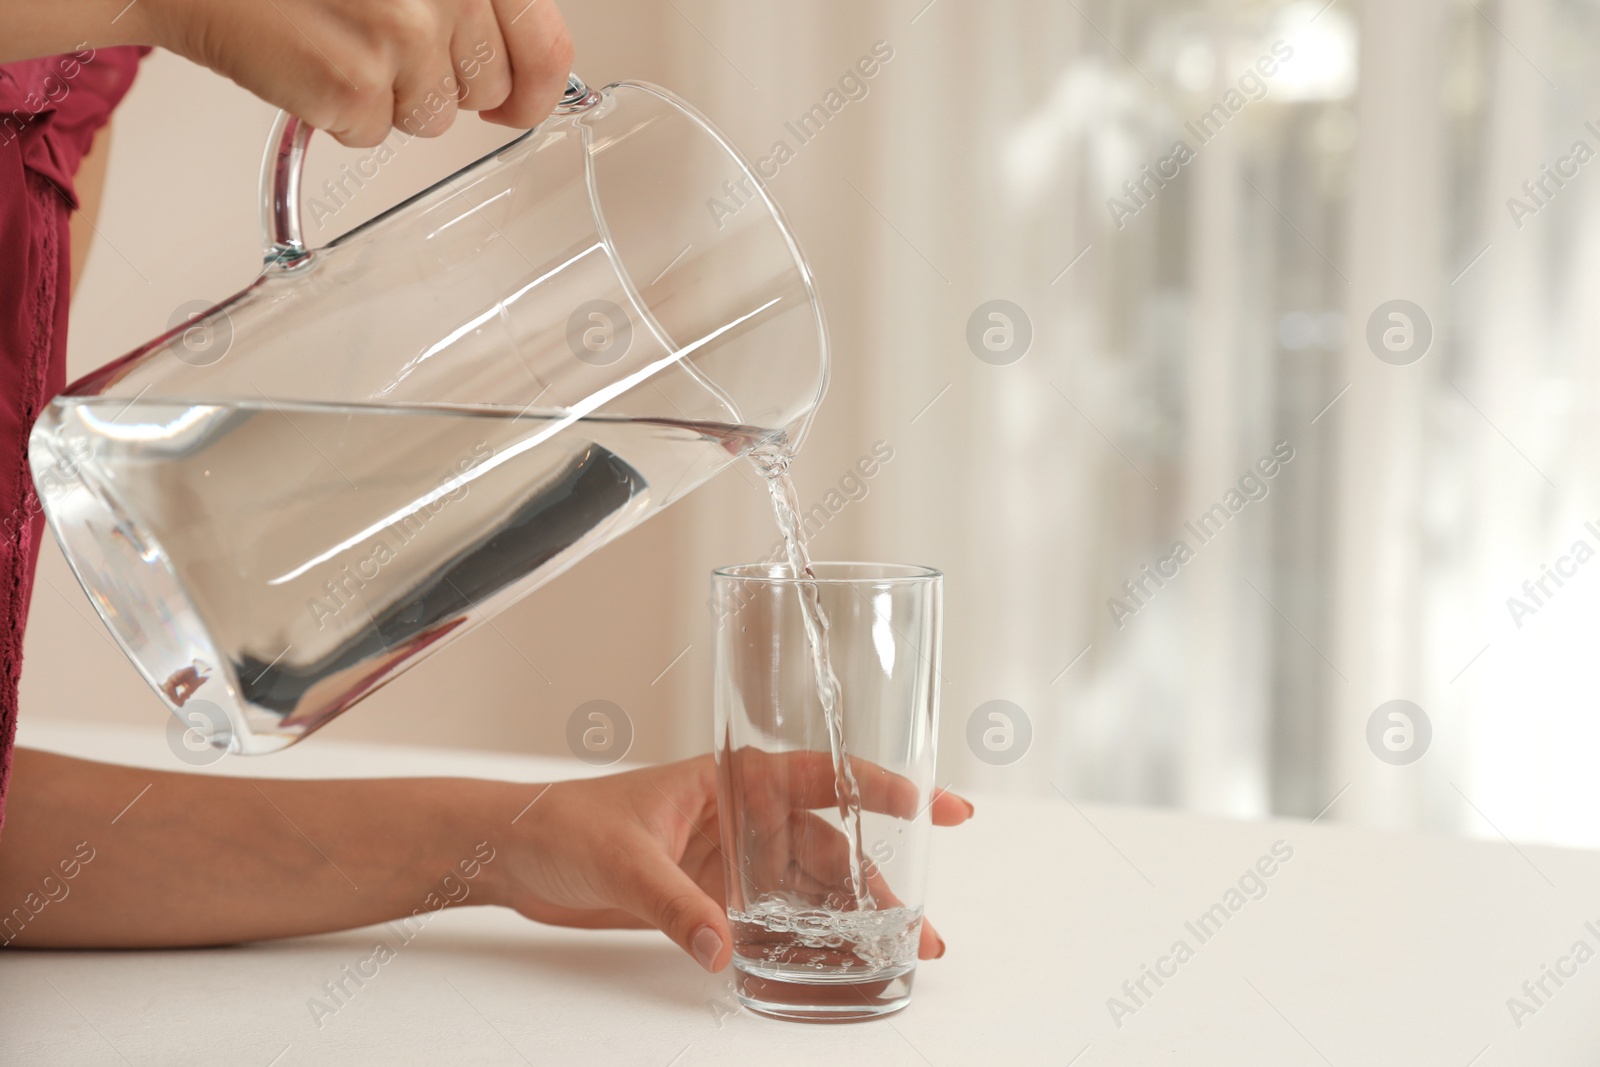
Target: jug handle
[285,159]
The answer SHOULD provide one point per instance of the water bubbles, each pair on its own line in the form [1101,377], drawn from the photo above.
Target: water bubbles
[878,939]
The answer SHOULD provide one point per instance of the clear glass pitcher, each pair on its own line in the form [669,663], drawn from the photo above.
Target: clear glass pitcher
[279,506]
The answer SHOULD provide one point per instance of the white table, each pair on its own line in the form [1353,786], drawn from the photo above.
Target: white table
[1367,948]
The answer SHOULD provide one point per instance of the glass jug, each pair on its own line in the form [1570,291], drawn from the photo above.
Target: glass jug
[281,505]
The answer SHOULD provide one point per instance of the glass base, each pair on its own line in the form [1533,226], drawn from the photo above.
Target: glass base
[801,996]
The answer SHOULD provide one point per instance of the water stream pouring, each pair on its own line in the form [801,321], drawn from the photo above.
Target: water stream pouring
[281,505]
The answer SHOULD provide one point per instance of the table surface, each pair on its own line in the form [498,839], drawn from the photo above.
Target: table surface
[1360,948]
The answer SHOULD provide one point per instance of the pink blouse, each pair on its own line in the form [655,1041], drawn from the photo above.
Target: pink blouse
[50,110]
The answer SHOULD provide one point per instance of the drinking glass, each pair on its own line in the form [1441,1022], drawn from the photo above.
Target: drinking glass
[806,944]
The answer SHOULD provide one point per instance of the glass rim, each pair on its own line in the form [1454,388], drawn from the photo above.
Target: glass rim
[779,574]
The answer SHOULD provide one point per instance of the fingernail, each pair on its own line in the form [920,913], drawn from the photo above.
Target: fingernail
[706,945]
[940,954]
[971,811]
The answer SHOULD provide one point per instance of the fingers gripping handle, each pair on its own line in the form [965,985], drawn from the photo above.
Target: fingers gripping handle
[285,159]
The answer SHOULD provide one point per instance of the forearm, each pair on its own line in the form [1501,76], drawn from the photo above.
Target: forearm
[202,860]
[33,28]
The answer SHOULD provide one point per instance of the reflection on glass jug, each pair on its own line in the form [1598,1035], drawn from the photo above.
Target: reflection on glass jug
[279,506]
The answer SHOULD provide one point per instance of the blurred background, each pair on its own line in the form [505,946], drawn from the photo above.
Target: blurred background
[1345,242]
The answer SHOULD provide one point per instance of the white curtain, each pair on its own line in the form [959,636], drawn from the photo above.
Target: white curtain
[1224,318]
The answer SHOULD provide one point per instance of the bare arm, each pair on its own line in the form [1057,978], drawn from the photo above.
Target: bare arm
[95,859]
[29,29]
[355,68]
[203,860]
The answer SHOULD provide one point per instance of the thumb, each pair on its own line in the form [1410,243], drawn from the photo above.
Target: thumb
[660,893]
